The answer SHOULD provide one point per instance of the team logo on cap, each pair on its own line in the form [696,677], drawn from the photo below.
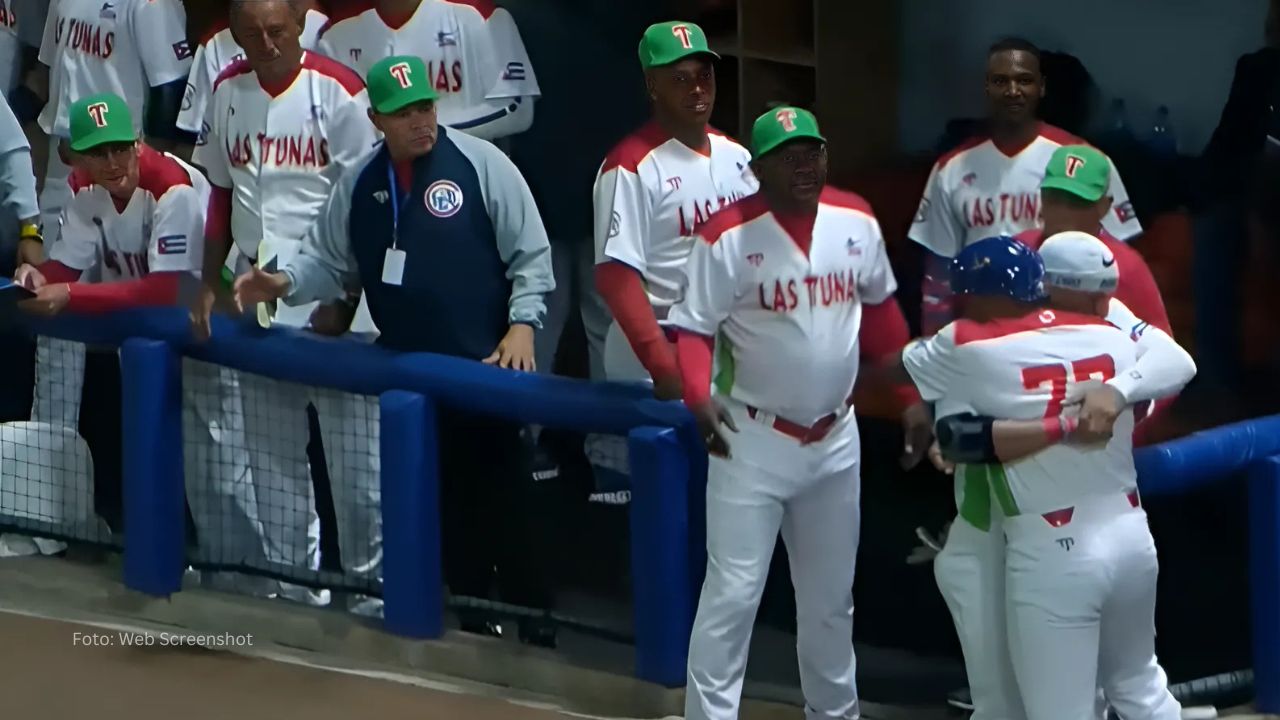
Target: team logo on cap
[98,111]
[1074,163]
[443,198]
[786,117]
[400,71]
[682,32]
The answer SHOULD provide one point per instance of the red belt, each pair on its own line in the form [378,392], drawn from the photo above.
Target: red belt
[1058,518]
[806,434]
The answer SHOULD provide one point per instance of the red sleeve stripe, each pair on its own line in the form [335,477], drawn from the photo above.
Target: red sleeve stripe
[159,173]
[962,148]
[837,198]
[1059,136]
[732,216]
[968,331]
[634,148]
[235,69]
[345,76]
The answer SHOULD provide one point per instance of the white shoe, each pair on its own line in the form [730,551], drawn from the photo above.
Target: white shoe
[13,545]
[365,606]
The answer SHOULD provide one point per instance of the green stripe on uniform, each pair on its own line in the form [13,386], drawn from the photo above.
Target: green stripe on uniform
[973,499]
[725,367]
[1000,488]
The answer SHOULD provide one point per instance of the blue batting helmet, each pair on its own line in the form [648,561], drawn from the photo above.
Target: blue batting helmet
[999,266]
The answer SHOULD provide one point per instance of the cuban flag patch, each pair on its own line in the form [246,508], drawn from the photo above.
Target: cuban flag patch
[172,244]
[182,50]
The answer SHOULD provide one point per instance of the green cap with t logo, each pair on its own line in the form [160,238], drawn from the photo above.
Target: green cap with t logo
[1080,170]
[398,81]
[782,125]
[669,42]
[98,120]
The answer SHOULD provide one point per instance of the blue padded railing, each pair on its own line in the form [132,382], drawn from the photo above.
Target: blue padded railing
[667,549]
[668,465]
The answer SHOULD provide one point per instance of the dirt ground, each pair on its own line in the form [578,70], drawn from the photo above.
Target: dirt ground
[64,670]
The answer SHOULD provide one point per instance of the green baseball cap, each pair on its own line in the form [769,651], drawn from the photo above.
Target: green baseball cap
[669,42]
[781,125]
[98,120]
[1080,170]
[397,81]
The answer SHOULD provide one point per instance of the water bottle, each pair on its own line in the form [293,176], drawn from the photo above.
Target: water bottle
[1162,142]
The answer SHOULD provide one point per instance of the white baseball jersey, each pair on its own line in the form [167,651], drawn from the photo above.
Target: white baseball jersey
[281,152]
[653,193]
[215,55]
[119,46]
[787,320]
[978,190]
[160,229]
[1024,369]
[472,50]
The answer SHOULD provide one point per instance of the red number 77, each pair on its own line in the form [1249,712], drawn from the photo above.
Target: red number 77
[1099,367]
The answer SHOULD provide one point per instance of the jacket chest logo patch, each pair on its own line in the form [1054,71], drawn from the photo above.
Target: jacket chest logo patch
[443,198]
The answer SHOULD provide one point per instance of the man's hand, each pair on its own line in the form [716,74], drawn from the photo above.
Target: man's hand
[668,388]
[710,416]
[516,349]
[256,286]
[332,319]
[49,300]
[1099,410]
[200,312]
[29,277]
[917,432]
[939,462]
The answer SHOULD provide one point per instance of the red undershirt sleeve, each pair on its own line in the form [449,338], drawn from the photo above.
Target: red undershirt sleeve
[883,334]
[694,352]
[56,272]
[623,290]
[156,289]
[218,222]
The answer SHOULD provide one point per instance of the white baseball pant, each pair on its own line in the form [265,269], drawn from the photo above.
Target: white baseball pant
[277,430]
[773,483]
[219,485]
[1081,600]
[970,575]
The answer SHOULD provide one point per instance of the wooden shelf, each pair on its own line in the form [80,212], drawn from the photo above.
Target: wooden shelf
[838,58]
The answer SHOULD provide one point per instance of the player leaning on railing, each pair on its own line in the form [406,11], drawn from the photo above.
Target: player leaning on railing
[441,232]
[138,215]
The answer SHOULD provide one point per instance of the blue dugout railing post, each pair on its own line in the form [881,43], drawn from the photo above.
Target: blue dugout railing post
[154,494]
[412,587]
[664,602]
[1264,580]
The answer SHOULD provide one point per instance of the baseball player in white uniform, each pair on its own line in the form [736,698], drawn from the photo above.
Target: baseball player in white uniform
[283,124]
[1080,566]
[970,567]
[990,184]
[136,49]
[780,286]
[473,52]
[655,189]
[138,215]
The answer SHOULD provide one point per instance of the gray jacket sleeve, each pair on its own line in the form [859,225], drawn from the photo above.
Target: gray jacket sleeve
[17,179]
[325,267]
[522,239]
